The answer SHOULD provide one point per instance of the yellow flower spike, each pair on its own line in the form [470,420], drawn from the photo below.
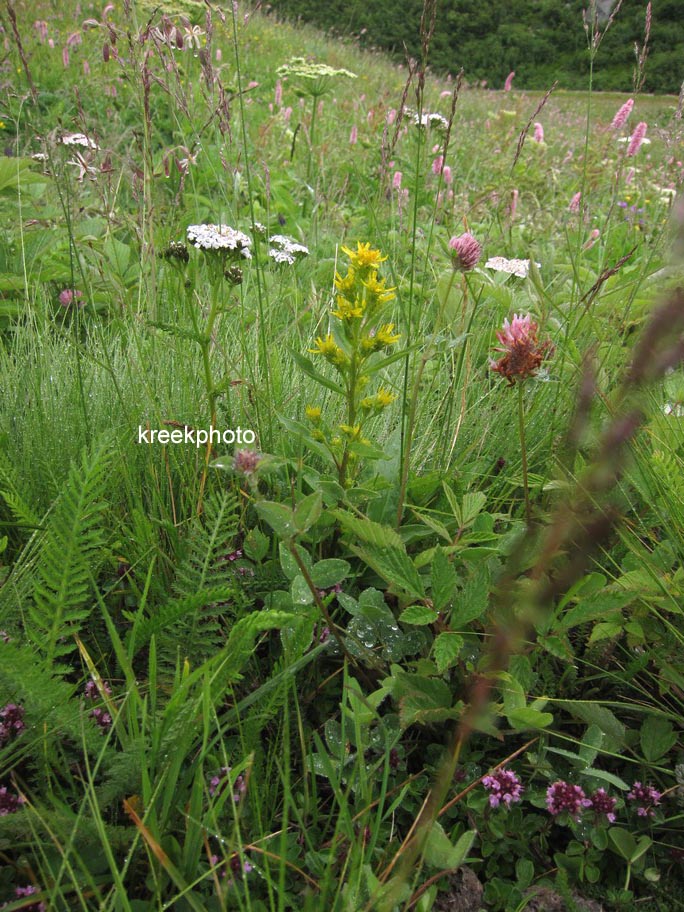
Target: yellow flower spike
[365,256]
[352,433]
[330,350]
[381,338]
[378,289]
[313,413]
[345,284]
[348,310]
[384,398]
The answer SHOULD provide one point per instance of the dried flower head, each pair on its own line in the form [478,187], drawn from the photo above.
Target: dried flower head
[466,252]
[522,353]
[504,786]
[176,251]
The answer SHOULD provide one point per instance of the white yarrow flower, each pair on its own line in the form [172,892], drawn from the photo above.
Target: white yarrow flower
[286,249]
[520,268]
[219,237]
[429,120]
[78,139]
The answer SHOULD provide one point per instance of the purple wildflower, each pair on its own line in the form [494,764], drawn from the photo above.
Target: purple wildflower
[645,798]
[603,805]
[102,719]
[503,785]
[575,202]
[29,891]
[538,133]
[11,722]
[70,296]
[563,796]
[9,803]
[92,693]
[620,118]
[466,252]
[509,81]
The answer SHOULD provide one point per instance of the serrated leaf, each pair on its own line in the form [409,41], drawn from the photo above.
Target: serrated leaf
[591,744]
[446,649]
[420,615]
[471,604]
[605,631]
[395,567]
[444,581]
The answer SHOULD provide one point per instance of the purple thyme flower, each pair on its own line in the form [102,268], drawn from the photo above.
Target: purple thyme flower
[9,803]
[466,252]
[92,693]
[603,804]
[102,719]
[562,796]
[621,117]
[645,798]
[503,785]
[11,722]
[29,891]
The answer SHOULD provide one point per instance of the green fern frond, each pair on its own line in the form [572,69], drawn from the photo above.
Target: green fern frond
[71,553]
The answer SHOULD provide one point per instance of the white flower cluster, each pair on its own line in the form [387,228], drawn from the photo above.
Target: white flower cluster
[520,268]
[78,139]
[429,120]
[303,69]
[285,249]
[220,237]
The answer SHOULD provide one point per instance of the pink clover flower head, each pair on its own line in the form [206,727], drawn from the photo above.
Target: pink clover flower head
[467,252]
[538,133]
[11,722]
[246,462]
[70,296]
[504,786]
[518,332]
[564,797]
[575,202]
[9,803]
[509,81]
[603,805]
[620,118]
[645,798]
[637,138]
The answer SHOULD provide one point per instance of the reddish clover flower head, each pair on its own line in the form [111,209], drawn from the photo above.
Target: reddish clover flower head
[70,296]
[504,786]
[11,722]
[645,798]
[523,354]
[565,797]
[246,462]
[9,803]
[466,252]
[603,805]
[620,118]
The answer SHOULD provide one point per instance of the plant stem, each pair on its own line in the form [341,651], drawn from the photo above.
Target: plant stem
[523,451]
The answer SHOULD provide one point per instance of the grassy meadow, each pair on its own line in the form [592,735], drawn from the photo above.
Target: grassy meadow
[405,632]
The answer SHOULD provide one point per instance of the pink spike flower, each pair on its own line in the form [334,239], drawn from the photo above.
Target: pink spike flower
[637,138]
[620,118]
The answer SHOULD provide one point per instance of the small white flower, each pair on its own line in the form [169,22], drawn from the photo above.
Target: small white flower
[520,268]
[286,249]
[675,409]
[78,139]
[429,120]
[219,237]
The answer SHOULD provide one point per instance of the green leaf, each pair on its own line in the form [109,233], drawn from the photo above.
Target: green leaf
[369,532]
[419,615]
[524,873]
[395,567]
[444,581]
[595,714]
[446,649]
[627,846]
[279,517]
[591,744]
[472,602]
[328,573]
[522,719]
[308,511]
[300,592]
[606,777]
[657,738]
[307,366]
[256,545]
[605,631]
